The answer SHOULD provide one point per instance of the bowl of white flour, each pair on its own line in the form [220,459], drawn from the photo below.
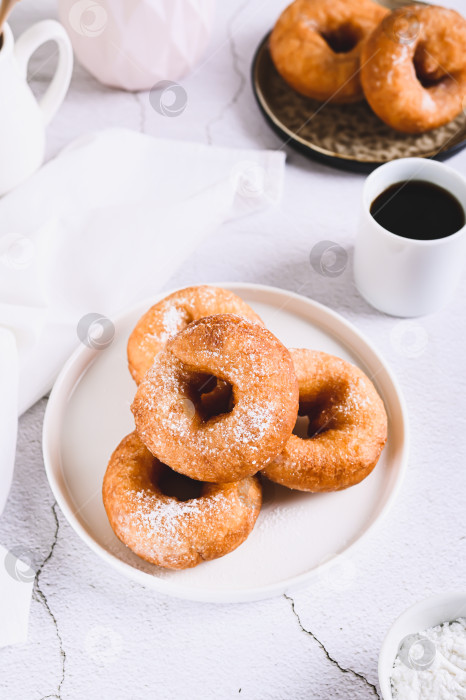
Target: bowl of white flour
[423,656]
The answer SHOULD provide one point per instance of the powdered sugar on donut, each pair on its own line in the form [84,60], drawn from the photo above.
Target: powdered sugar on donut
[165,530]
[347,427]
[173,320]
[230,445]
[172,314]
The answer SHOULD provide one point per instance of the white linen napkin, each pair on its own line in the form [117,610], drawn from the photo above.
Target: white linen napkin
[104,224]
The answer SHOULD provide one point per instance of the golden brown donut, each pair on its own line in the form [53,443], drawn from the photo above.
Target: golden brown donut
[172,314]
[234,444]
[168,531]
[414,68]
[316,45]
[347,427]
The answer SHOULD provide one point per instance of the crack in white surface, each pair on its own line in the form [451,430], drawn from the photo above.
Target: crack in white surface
[235,56]
[333,661]
[40,595]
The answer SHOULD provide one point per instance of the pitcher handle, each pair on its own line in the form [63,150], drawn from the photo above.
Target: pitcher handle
[35,36]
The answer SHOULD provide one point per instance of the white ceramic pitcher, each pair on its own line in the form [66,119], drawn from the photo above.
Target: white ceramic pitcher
[22,118]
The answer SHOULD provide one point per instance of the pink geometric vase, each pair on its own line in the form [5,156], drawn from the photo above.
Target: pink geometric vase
[134,44]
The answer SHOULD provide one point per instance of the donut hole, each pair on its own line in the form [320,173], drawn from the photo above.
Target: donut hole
[301,428]
[313,418]
[428,72]
[343,39]
[212,397]
[177,485]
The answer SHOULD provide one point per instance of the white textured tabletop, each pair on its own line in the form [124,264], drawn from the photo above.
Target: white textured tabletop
[94,634]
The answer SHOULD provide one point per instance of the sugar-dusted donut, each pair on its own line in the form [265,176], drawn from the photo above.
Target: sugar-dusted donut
[172,314]
[316,46]
[251,432]
[347,427]
[164,529]
[414,68]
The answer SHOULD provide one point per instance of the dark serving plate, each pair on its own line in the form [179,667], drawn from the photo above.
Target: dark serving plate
[348,136]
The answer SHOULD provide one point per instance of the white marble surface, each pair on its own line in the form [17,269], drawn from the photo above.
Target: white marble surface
[93,634]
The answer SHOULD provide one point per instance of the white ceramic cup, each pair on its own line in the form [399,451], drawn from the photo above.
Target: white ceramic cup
[22,118]
[428,613]
[403,276]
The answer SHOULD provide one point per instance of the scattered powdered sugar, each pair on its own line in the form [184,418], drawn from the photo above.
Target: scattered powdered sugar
[174,313]
[173,320]
[206,292]
[163,525]
[253,422]
[251,361]
[278,515]
[357,401]
[172,532]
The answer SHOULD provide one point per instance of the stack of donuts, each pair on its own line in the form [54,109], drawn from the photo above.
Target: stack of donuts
[410,64]
[215,411]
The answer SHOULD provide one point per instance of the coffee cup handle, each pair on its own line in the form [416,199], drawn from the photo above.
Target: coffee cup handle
[38,34]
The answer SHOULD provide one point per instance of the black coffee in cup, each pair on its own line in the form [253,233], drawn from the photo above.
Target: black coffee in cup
[419,210]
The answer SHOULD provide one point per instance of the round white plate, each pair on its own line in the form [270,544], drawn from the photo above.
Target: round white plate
[297,535]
